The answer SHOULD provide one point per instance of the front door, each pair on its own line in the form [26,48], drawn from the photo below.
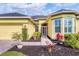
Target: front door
[44,31]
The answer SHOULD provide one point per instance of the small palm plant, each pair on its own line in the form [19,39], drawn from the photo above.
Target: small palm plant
[18,37]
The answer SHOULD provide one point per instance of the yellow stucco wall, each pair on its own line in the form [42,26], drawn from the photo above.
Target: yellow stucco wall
[49,22]
[77,25]
[8,26]
[40,22]
[30,29]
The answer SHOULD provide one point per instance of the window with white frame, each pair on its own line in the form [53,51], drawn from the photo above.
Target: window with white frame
[68,25]
[57,25]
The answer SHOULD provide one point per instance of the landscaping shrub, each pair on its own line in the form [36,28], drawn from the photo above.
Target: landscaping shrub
[12,53]
[68,36]
[36,35]
[77,44]
[24,33]
[76,36]
[72,40]
[72,43]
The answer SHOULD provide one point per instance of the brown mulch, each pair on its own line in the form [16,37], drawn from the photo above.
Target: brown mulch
[59,50]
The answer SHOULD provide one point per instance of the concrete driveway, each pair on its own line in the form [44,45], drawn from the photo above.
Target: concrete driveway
[6,45]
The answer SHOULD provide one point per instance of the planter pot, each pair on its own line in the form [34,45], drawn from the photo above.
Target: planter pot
[19,46]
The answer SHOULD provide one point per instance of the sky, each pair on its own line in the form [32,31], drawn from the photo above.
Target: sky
[32,9]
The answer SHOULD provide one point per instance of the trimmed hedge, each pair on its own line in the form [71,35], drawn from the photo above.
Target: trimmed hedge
[24,33]
[72,40]
[72,43]
[70,36]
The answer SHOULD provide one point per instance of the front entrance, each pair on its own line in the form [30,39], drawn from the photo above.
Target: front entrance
[43,30]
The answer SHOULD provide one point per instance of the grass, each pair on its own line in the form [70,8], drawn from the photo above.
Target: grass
[12,53]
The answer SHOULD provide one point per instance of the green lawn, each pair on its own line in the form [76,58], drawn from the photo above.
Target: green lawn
[12,53]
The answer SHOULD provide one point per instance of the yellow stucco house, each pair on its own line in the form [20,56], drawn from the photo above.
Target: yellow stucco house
[63,21]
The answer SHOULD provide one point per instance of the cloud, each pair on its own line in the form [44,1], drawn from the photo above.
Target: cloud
[65,4]
[25,8]
[36,8]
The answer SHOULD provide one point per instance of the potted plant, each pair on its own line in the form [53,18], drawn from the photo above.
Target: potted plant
[18,38]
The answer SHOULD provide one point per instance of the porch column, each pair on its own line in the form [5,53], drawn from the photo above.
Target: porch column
[53,29]
[39,28]
[73,25]
[62,25]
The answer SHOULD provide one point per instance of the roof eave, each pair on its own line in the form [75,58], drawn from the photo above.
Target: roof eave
[14,17]
[65,12]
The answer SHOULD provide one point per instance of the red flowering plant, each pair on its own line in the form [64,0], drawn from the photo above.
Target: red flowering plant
[59,37]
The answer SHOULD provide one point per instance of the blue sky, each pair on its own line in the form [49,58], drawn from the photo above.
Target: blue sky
[36,8]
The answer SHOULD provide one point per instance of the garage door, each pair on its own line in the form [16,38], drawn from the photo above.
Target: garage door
[6,31]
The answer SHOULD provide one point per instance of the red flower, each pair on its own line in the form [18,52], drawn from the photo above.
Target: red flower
[59,36]
[62,36]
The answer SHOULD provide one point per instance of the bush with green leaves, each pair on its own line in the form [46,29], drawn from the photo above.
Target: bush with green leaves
[76,36]
[72,43]
[36,35]
[71,40]
[70,36]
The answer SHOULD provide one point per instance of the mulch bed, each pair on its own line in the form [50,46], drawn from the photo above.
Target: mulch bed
[59,50]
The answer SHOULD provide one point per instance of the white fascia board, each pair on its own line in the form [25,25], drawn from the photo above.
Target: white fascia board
[14,17]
